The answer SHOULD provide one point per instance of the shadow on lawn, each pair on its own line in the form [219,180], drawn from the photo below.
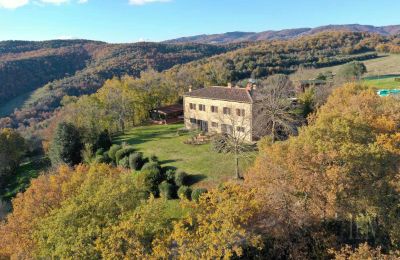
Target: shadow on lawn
[195,178]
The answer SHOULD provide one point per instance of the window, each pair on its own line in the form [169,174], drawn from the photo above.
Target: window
[214,109]
[227,111]
[192,106]
[193,121]
[202,107]
[240,129]
[240,112]
[214,124]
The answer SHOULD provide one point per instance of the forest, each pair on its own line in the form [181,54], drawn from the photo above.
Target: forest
[323,183]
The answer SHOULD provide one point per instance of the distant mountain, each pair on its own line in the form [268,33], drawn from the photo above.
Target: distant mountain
[232,37]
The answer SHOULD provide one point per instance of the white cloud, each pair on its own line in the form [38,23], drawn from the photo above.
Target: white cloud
[143,2]
[12,4]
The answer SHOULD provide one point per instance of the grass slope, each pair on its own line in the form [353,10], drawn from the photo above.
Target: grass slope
[207,167]
[25,173]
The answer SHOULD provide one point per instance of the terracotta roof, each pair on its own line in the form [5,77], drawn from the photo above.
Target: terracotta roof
[222,93]
[170,109]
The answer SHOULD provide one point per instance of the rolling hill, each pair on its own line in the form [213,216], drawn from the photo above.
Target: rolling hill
[231,37]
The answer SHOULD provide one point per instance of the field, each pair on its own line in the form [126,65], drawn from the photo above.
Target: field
[25,173]
[383,82]
[207,167]
[383,65]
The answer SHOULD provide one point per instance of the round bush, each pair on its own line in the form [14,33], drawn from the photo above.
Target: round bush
[151,165]
[135,161]
[170,176]
[124,152]
[166,190]
[197,193]
[113,150]
[124,162]
[184,192]
[181,178]
[149,179]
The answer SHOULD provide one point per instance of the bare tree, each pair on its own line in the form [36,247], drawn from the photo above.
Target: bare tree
[273,110]
[236,136]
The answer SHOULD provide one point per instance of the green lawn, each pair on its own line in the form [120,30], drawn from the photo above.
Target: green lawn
[207,167]
[383,82]
[25,173]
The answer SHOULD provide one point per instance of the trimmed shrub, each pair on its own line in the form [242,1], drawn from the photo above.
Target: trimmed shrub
[113,150]
[197,193]
[135,161]
[99,151]
[166,190]
[124,162]
[149,179]
[170,176]
[124,152]
[181,178]
[153,158]
[151,165]
[184,192]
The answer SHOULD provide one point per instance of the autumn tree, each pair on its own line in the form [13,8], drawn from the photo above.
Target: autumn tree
[12,150]
[207,232]
[342,168]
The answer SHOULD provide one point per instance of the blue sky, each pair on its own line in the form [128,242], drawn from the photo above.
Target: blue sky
[156,20]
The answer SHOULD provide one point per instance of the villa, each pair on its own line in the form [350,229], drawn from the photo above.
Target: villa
[220,110]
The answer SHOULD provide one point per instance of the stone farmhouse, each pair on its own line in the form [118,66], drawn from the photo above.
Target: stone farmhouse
[220,110]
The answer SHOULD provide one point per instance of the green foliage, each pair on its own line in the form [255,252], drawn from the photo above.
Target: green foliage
[103,141]
[170,175]
[123,152]
[196,193]
[149,179]
[113,150]
[184,192]
[151,165]
[66,145]
[124,162]
[352,71]
[103,195]
[166,190]
[135,161]
[181,178]
[12,150]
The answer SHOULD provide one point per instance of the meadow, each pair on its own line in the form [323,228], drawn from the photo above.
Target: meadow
[208,168]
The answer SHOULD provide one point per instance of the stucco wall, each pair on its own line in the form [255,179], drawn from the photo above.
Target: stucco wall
[220,118]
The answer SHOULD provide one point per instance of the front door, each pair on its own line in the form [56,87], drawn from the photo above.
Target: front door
[202,125]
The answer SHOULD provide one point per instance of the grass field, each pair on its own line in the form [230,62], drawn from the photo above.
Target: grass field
[383,82]
[383,65]
[207,167]
[25,173]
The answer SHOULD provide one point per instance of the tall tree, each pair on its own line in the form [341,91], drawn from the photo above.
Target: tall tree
[66,145]
[12,149]
[273,110]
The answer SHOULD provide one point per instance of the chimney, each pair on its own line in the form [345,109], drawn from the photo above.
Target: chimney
[249,87]
[229,85]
